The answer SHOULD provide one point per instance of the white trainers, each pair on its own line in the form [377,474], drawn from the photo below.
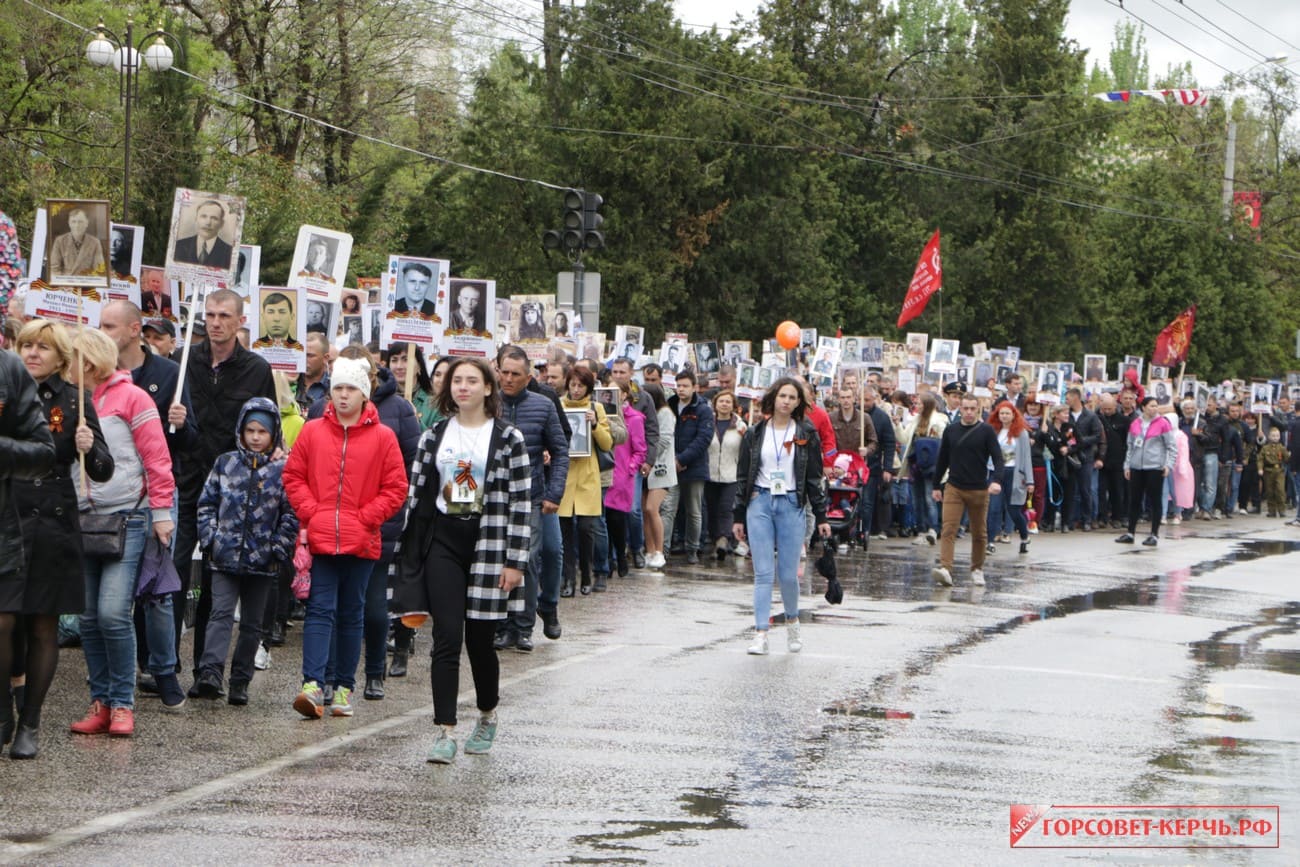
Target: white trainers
[759,647]
[931,536]
[977,577]
[942,575]
[742,550]
[793,643]
[842,549]
[262,661]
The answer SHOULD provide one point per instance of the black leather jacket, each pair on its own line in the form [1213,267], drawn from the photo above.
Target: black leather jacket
[808,473]
[26,451]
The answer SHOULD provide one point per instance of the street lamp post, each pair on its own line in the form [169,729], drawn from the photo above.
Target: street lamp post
[125,56]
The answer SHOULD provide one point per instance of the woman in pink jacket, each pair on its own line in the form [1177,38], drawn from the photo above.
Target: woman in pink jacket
[628,457]
[140,490]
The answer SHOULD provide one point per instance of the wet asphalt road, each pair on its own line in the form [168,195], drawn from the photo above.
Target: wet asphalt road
[1086,672]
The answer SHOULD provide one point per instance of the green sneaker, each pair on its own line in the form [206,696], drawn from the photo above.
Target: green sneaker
[480,741]
[310,702]
[342,704]
[443,749]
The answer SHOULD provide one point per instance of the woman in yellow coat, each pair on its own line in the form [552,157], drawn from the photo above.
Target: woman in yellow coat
[582,495]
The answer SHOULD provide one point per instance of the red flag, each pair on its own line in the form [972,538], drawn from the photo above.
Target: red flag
[1173,343]
[1248,206]
[926,280]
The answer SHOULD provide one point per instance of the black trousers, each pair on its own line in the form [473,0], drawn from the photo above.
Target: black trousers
[446,577]
[579,534]
[1151,485]
[720,502]
[616,524]
[1113,491]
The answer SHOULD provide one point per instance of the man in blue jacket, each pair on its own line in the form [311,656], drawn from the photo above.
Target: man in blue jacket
[693,432]
[538,420]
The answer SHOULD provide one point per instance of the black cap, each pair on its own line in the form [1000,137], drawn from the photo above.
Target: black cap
[162,326]
[953,387]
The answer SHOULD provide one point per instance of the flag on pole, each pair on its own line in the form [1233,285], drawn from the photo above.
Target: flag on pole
[926,280]
[1174,342]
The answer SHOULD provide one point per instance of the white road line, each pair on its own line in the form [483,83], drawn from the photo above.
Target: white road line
[1062,671]
[14,852]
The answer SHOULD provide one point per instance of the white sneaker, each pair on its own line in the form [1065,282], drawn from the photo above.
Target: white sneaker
[881,536]
[931,536]
[262,661]
[977,577]
[759,647]
[842,549]
[793,644]
[921,540]
[942,575]
[742,550]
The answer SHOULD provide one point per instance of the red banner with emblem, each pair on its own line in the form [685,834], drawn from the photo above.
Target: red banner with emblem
[926,280]
[1174,342]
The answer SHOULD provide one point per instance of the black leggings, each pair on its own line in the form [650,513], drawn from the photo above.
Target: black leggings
[42,657]
[446,577]
[1150,483]
[616,524]
[579,532]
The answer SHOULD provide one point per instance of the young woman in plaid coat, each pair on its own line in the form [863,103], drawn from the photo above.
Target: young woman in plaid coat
[462,556]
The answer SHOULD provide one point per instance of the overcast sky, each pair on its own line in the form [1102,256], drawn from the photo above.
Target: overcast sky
[1264,26]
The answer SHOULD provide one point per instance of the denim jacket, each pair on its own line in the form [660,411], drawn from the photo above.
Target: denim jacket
[807,473]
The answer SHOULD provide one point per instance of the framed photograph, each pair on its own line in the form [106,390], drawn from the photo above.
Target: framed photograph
[917,342]
[808,339]
[1094,368]
[415,301]
[1132,362]
[372,286]
[248,271]
[1159,372]
[672,356]
[609,398]
[125,258]
[1261,398]
[280,330]
[205,231]
[747,380]
[1013,355]
[1003,371]
[580,442]
[158,295]
[593,346]
[979,350]
[764,378]
[76,244]
[1049,385]
[943,356]
[737,352]
[873,350]
[1067,370]
[350,303]
[320,262]
[532,320]
[1162,390]
[470,324]
[707,359]
[983,372]
[1188,388]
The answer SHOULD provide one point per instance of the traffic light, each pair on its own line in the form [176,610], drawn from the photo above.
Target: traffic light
[573,205]
[592,237]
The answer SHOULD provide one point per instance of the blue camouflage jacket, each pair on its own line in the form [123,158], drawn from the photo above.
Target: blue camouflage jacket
[245,521]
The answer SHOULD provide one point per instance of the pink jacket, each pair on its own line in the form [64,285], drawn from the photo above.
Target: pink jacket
[1184,478]
[628,458]
[141,460]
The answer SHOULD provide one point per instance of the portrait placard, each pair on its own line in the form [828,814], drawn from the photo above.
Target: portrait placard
[907,380]
[1094,368]
[159,297]
[372,320]
[1261,398]
[707,359]
[415,301]
[320,262]
[629,342]
[673,354]
[826,361]
[563,323]
[736,352]
[808,340]
[125,256]
[916,345]
[1049,385]
[580,441]
[593,346]
[873,351]
[611,398]
[1134,363]
[1162,390]
[979,350]
[372,286]
[747,380]
[531,317]
[205,232]
[248,272]
[943,356]
[281,329]
[76,247]
[470,323]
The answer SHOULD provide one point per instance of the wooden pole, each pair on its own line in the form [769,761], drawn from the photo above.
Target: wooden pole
[1178,392]
[185,352]
[409,386]
[862,414]
[81,396]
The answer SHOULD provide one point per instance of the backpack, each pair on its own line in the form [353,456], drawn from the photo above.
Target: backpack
[925,454]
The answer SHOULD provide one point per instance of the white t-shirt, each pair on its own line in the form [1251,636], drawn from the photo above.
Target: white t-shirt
[777,455]
[462,467]
[1008,446]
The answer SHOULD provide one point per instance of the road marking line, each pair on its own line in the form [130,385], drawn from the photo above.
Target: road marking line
[13,852]
[1074,673]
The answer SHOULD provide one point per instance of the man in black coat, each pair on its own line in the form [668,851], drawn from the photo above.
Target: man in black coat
[1089,442]
[880,462]
[1116,418]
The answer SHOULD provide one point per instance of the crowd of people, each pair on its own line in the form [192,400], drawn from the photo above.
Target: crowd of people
[380,490]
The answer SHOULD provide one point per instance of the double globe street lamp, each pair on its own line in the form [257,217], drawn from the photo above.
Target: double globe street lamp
[125,55]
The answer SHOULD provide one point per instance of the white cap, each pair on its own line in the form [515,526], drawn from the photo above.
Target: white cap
[351,371]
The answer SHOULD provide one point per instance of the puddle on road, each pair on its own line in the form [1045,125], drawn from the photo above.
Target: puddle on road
[1242,646]
[711,811]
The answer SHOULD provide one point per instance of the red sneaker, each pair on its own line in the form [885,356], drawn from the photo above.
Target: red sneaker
[123,723]
[95,722]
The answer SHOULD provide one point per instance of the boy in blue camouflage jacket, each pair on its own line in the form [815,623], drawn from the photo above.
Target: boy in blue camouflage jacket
[248,529]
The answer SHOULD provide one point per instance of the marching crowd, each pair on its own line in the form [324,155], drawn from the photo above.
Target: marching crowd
[378,491]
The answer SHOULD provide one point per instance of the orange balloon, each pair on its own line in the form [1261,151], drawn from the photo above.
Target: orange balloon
[788,335]
[414,621]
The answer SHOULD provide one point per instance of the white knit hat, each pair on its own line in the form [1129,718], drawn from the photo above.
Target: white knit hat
[351,371]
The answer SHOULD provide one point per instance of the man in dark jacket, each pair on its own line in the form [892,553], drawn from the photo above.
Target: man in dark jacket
[1113,490]
[965,453]
[694,431]
[1232,456]
[221,375]
[538,420]
[1089,442]
[875,503]
[1214,427]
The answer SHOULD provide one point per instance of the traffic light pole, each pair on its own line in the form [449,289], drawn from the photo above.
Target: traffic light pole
[579,272]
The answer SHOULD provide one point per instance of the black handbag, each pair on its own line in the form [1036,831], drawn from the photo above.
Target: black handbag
[605,457]
[103,535]
[826,568]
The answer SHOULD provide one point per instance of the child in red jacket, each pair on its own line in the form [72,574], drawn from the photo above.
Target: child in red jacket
[344,477]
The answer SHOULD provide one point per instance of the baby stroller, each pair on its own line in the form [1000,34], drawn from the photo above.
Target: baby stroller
[844,498]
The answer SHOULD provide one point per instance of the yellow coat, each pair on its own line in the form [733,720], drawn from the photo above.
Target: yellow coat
[582,495]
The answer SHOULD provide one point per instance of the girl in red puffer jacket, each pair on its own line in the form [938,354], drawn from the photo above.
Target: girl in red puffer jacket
[345,477]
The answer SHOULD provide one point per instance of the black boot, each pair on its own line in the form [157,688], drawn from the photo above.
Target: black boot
[374,690]
[238,693]
[26,743]
[566,589]
[401,651]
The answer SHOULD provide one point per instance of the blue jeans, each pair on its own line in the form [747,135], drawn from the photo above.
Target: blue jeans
[774,526]
[601,565]
[522,623]
[552,568]
[107,630]
[1209,482]
[374,626]
[337,601]
[925,511]
[1235,490]
[1085,491]
[635,528]
[1001,510]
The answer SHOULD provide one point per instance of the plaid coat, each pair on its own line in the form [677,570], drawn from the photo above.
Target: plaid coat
[503,528]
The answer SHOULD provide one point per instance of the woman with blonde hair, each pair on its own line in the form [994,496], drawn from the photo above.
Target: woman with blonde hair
[51,583]
[582,493]
[140,493]
[663,476]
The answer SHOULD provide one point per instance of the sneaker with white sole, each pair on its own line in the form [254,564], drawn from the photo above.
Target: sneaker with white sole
[977,577]
[444,747]
[931,536]
[262,661]
[480,740]
[942,575]
[759,647]
[742,550]
[310,702]
[342,703]
[793,643]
